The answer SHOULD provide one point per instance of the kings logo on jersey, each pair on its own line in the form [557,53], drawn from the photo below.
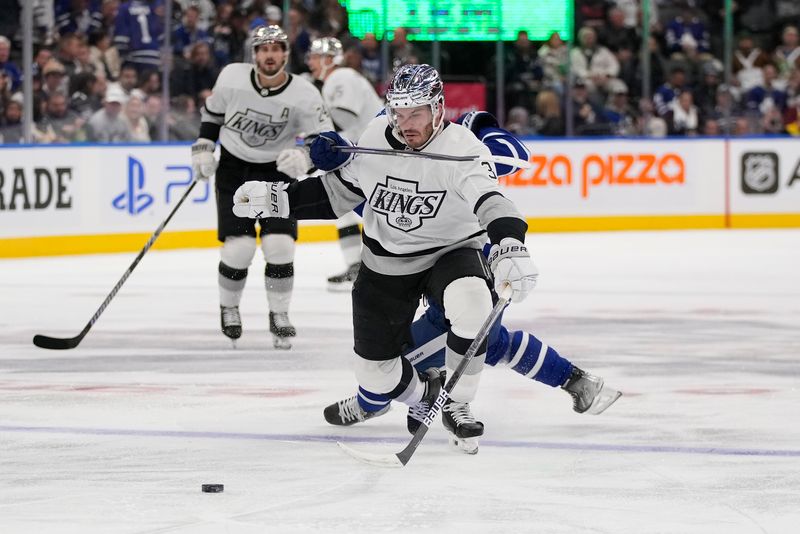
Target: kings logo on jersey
[403,204]
[255,128]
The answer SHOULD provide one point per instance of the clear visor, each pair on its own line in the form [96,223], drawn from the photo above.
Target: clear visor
[395,103]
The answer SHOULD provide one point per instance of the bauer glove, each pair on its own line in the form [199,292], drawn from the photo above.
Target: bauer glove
[511,264]
[260,200]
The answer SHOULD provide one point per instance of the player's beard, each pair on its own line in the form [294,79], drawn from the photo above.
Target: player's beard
[419,139]
[270,70]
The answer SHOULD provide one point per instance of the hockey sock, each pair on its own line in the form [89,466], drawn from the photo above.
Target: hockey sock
[350,242]
[372,402]
[231,284]
[279,281]
[531,358]
[410,389]
[467,386]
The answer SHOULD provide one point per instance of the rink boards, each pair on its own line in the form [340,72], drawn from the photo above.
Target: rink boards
[90,198]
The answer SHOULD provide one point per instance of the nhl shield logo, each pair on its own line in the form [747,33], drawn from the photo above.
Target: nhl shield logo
[255,128]
[759,173]
[403,204]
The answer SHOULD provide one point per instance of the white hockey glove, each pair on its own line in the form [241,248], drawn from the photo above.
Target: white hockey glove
[203,163]
[511,264]
[293,162]
[259,200]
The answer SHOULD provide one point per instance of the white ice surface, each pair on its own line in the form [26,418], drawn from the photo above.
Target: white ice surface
[700,330]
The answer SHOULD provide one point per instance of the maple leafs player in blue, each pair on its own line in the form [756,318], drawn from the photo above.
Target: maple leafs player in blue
[523,352]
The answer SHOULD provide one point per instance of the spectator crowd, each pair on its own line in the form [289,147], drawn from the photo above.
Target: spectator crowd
[98,67]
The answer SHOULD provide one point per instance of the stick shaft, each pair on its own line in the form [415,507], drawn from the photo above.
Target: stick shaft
[505,160]
[47,342]
[405,455]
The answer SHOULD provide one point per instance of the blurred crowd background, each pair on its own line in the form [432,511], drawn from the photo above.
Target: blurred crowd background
[98,66]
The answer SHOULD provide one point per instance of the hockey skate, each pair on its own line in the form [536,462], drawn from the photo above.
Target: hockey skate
[349,412]
[231,322]
[589,393]
[344,281]
[282,330]
[434,379]
[464,430]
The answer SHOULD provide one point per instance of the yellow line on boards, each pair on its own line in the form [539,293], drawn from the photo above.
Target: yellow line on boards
[627,222]
[21,247]
[766,220]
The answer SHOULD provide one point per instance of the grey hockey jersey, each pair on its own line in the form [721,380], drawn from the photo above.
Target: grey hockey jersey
[418,209]
[257,123]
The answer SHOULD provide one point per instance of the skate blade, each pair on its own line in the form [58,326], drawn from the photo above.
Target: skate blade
[605,398]
[465,445]
[340,287]
[282,343]
[233,344]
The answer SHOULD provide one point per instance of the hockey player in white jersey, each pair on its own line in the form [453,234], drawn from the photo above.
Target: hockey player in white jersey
[257,111]
[522,352]
[352,103]
[425,222]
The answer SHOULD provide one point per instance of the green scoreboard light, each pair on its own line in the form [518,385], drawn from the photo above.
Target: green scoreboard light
[461,20]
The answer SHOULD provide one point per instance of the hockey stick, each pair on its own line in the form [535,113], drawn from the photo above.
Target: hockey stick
[402,458]
[505,160]
[61,343]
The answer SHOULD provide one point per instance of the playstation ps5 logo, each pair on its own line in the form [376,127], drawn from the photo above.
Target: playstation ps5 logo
[134,199]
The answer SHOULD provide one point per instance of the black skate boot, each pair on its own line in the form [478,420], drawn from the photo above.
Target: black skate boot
[434,380]
[464,430]
[281,330]
[349,412]
[344,281]
[231,322]
[589,394]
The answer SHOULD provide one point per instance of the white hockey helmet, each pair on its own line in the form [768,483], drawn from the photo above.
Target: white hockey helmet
[413,86]
[269,34]
[328,46]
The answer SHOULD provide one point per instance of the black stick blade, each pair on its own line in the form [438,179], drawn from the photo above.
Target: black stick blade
[56,343]
[59,343]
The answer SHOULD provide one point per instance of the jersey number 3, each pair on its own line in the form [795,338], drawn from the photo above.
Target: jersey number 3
[489,168]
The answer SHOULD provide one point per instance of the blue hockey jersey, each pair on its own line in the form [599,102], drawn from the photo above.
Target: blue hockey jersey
[139,31]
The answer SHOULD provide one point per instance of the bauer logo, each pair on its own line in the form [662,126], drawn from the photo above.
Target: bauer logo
[759,173]
[404,206]
[134,199]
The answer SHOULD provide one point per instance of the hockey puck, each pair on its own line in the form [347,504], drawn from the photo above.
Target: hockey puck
[213,488]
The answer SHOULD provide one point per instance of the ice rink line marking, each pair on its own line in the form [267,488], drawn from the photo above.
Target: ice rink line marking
[598,447]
